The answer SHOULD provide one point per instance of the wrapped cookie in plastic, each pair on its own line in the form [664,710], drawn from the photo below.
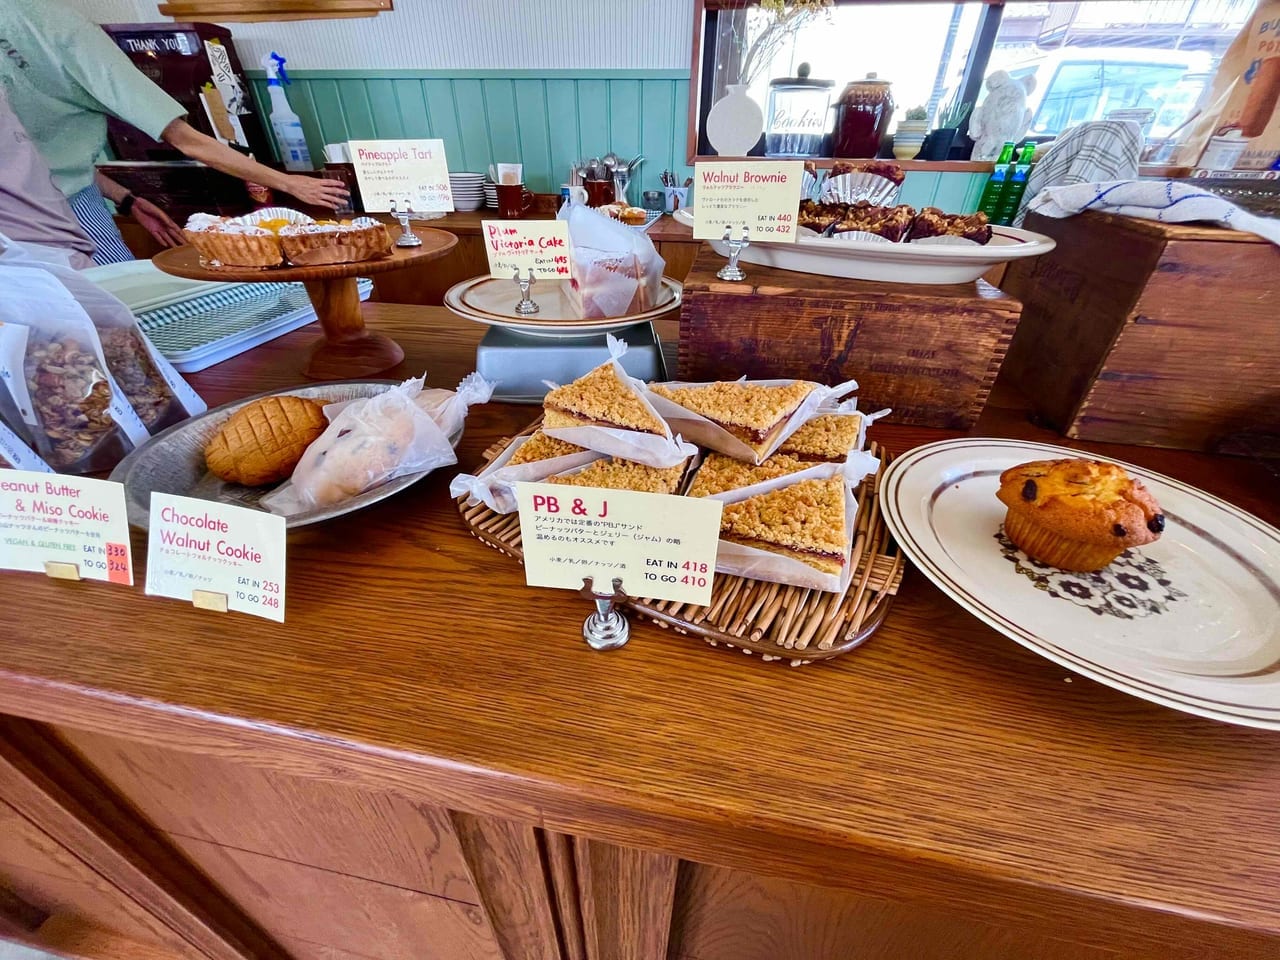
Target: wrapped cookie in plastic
[375,439]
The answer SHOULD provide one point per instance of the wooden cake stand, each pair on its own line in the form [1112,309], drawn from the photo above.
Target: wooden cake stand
[348,348]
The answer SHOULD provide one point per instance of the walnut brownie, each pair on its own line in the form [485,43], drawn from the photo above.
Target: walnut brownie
[932,222]
[539,446]
[600,398]
[752,412]
[804,521]
[828,438]
[619,474]
[719,473]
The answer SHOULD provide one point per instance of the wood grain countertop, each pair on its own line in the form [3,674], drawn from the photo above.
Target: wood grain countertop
[940,761]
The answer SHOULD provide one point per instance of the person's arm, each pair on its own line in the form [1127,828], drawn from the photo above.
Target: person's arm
[154,220]
[314,190]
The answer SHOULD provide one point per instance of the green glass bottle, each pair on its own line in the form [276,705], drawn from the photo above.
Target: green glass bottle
[1011,197]
[989,202]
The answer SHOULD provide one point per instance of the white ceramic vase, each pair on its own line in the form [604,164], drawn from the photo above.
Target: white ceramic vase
[735,122]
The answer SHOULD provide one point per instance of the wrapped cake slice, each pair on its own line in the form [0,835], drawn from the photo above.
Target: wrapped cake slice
[746,419]
[607,411]
[617,474]
[831,435]
[530,458]
[795,529]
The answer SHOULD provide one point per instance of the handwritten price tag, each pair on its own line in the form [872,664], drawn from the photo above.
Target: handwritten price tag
[662,547]
[51,518]
[763,197]
[412,172]
[197,545]
[538,245]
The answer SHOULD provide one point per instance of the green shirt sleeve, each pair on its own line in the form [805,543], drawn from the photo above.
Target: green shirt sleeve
[108,77]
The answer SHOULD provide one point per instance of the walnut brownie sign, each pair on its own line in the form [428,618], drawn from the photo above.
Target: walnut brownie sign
[761,197]
[70,527]
[662,547]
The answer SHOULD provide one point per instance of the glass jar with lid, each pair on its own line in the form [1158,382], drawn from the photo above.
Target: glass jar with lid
[797,115]
[864,111]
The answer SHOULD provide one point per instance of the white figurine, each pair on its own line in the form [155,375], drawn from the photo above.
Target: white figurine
[1002,116]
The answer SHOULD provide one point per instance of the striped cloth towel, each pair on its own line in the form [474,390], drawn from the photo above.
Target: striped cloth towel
[1087,153]
[1165,200]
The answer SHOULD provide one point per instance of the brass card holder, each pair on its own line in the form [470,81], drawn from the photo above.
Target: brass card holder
[607,628]
[731,270]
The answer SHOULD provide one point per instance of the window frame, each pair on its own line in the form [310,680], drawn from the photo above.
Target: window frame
[702,76]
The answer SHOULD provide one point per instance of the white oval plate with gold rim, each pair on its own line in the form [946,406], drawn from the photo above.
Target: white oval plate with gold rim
[1191,621]
[890,262]
[493,301]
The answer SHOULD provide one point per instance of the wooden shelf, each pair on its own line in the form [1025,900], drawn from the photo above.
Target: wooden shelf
[937,166]
[224,11]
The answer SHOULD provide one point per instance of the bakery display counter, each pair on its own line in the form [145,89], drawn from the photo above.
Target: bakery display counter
[426,761]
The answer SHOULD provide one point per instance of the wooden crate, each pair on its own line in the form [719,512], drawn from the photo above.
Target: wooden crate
[931,353]
[1152,333]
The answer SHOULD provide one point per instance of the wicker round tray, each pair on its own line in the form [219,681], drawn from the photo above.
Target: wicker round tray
[774,620]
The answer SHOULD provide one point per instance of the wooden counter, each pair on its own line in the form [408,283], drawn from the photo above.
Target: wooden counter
[426,760]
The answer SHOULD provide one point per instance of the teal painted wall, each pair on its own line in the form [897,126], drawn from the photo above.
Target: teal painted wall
[543,119]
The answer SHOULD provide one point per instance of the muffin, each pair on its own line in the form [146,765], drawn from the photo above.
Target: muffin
[1077,514]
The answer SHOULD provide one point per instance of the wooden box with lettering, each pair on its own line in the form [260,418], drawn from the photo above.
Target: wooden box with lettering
[929,352]
[1154,333]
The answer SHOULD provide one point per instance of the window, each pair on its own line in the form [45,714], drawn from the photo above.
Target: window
[1089,58]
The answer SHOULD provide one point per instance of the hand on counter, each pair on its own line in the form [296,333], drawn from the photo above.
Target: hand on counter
[317,191]
[157,223]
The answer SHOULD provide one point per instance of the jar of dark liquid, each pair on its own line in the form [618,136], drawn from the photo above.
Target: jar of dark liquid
[797,115]
[863,114]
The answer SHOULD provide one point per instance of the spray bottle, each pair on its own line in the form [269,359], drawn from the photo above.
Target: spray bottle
[284,122]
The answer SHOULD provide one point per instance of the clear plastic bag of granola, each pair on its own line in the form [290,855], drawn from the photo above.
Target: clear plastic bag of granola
[53,366]
[157,393]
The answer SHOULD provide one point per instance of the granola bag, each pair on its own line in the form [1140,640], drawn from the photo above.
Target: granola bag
[651,449]
[16,452]
[741,560]
[53,364]
[158,395]
[615,271]
[708,433]
[494,486]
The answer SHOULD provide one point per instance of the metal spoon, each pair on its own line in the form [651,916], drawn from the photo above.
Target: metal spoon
[634,163]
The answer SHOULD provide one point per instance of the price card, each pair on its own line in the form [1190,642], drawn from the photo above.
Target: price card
[764,197]
[662,547]
[70,521]
[216,549]
[538,245]
[408,173]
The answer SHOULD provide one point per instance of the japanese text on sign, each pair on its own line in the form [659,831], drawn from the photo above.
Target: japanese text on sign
[217,548]
[763,197]
[661,547]
[412,174]
[538,245]
[50,518]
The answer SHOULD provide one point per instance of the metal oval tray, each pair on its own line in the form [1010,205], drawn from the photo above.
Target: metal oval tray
[173,460]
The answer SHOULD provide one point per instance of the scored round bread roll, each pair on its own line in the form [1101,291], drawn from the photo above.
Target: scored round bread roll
[263,441]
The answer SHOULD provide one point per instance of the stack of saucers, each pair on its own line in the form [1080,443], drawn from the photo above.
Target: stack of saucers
[467,190]
[490,193]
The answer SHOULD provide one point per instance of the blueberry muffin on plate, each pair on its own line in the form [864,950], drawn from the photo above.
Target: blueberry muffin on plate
[1077,514]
